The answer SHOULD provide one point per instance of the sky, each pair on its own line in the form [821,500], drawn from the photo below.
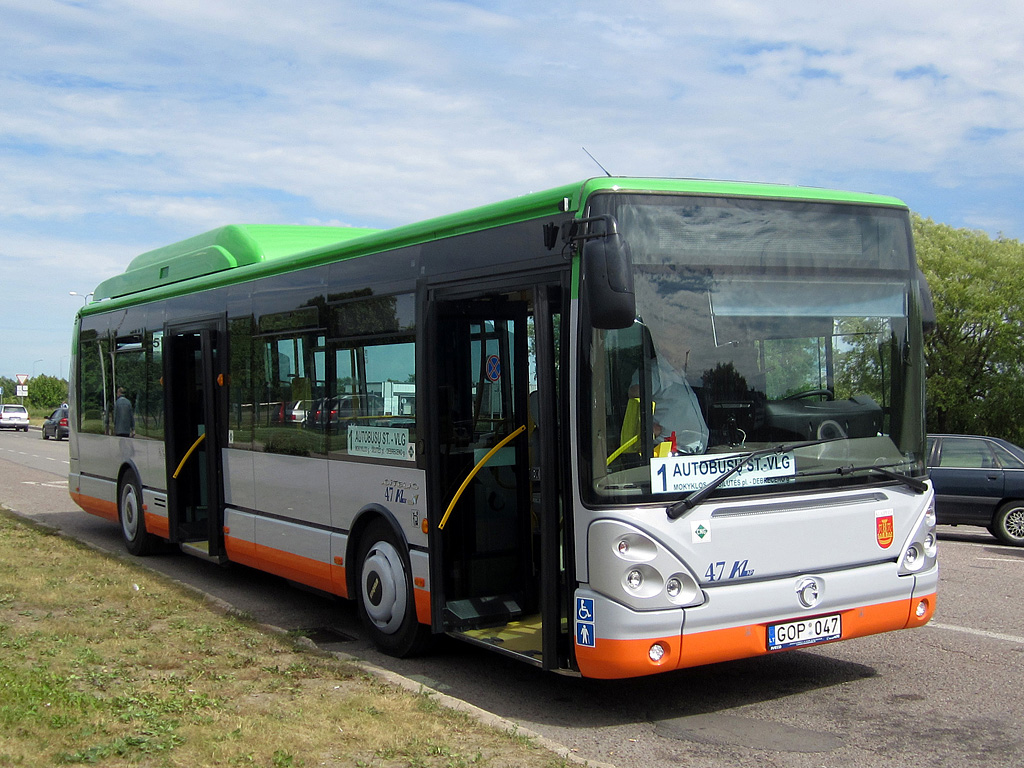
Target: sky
[125,126]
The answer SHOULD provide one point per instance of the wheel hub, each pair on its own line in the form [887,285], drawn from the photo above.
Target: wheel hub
[384,594]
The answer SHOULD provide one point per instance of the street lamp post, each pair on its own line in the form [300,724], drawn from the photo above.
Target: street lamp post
[34,366]
[83,296]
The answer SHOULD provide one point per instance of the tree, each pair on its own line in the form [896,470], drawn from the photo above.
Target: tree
[975,357]
[8,386]
[46,392]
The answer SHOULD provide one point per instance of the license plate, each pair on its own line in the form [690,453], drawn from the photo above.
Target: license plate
[793,634]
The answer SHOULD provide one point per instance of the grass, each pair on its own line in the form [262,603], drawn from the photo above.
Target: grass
[104,663]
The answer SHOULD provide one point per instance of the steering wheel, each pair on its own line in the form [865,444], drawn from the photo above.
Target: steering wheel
[828,394]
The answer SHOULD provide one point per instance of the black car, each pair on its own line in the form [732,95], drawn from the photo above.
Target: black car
[56,425]
[979,481]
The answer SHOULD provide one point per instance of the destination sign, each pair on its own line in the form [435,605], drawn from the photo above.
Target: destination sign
[677,474]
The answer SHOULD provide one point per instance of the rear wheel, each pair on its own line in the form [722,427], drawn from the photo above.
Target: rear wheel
[386,603]
[1008,524]
[132,517]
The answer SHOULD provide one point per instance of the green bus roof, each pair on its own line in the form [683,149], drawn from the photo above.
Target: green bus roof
[239,252]
[220,249]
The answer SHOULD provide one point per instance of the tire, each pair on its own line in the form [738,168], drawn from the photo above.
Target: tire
[45,436]
[387,607]
[133,520]
[1008,524]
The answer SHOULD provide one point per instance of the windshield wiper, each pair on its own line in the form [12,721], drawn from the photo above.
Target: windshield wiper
[680,508]
[915,484]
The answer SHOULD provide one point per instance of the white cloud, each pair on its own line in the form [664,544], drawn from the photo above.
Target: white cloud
[126,125]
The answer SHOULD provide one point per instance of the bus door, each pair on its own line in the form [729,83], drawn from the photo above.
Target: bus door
[494,523]
[195,393]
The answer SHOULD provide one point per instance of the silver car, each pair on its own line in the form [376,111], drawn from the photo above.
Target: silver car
[13,417]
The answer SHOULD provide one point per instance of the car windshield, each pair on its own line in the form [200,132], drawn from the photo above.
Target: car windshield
[759,323]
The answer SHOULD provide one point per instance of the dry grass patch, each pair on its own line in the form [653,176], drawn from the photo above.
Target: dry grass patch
[103,663]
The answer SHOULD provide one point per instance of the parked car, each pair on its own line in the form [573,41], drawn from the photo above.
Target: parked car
[296,414]
[979,481]
[328,413]
[13,416]
[56,425]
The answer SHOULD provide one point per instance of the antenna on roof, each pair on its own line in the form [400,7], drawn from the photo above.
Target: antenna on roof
[598,164]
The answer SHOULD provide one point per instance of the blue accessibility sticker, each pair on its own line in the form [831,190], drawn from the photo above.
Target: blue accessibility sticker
[585,621]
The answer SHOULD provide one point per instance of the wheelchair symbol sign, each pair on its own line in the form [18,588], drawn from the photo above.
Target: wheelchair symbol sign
[585,621]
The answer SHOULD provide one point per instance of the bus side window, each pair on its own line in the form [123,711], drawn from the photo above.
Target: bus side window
[373,367]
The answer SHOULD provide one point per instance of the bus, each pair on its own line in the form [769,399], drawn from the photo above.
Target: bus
[616,428]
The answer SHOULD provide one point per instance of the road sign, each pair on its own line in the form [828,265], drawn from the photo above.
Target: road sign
[22,390]
[22,378]
[492,369]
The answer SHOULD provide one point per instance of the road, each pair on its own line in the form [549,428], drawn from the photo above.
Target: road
[949,694]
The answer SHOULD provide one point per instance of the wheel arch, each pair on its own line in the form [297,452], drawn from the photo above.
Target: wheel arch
[128,466]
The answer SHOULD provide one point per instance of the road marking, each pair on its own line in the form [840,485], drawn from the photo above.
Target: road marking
[1001,559]
[978,632]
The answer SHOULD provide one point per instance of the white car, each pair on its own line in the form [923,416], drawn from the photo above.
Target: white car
[14,417]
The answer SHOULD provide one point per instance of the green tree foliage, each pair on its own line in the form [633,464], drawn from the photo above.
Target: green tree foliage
[45,392]
[8,386]
[975,357]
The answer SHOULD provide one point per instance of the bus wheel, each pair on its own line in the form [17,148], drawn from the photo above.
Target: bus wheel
[133,520]
[386,604]
[1008,524]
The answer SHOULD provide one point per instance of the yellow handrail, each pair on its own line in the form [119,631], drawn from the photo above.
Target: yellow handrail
[623,448]
[185,458]
[477,468]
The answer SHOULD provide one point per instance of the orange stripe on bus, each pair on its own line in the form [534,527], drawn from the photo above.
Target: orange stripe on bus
[99,507]
[323,576]
[422,597]
[612,659]
[305,570]
[158,525]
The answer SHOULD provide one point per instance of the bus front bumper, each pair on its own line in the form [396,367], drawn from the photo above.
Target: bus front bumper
[733,622]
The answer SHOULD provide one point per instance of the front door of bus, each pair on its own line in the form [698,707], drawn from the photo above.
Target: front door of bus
[194,387]
[487,544]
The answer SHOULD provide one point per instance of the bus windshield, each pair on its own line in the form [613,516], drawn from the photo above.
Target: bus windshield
[760,323]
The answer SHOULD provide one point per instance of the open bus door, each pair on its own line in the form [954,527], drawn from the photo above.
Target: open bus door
[496,551]
[195,393]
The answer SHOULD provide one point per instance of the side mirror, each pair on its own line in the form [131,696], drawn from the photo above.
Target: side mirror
[928,321]
[607,282]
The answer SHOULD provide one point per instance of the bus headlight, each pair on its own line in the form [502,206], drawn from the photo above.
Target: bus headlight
[631,567]
[913,559]
[921,549]
[673,587]
[931,547]
[634,580]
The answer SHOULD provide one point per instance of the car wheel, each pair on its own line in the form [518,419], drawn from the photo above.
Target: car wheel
[1008,524]
[132,517]
[45,436]
[386,603]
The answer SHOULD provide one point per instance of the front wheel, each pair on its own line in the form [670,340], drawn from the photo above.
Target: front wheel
[386,603]
[1008,524]
[133,519]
